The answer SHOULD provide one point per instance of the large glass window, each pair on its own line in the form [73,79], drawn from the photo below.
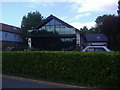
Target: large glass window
[57,43]
[43,28]
[57,26]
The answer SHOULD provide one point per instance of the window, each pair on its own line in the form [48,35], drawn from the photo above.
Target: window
[60,28]
[98,37]
[14,35]
[14,28]
[43,28]
[6,34]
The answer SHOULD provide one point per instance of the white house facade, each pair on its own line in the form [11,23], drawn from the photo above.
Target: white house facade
[10,36]
[54,34]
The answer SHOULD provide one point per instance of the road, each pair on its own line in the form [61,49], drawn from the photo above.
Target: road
[8,82]
[16,82]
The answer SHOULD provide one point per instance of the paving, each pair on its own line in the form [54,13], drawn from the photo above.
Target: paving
[17,82]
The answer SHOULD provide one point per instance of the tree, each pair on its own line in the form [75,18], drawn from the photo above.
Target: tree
[109,25]
[29,22]
[84,29]
[92,30]
[118,8]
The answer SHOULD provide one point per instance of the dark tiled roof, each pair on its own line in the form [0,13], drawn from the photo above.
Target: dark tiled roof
[9,28]
[95,37]
[49,18]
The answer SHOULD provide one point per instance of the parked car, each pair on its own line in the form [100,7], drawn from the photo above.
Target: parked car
[96,48]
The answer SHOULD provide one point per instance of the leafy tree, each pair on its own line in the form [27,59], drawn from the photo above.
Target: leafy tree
[84,29]
[30,21]
[93,30]
[110,26]
[118,8]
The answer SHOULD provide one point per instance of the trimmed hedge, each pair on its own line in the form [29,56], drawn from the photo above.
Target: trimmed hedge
[87,68]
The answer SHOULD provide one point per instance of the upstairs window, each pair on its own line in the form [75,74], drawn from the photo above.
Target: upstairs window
[98,37]
[14,35]
[14,28]
[6,34]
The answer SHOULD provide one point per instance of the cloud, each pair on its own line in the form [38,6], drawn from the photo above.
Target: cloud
[36,4]
[81,25]
[95,5]
[77,17]
[37,0]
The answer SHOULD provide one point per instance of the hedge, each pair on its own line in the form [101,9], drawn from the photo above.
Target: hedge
[100,69]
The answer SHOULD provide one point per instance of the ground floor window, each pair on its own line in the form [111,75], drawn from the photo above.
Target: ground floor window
[53,44]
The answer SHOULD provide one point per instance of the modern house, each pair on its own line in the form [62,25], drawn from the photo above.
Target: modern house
[54,34]
[10,36]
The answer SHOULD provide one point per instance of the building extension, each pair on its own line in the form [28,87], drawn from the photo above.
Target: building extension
[10,36]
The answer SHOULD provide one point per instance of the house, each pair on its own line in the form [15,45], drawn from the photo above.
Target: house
[54,34]
[10,36]
[95,40]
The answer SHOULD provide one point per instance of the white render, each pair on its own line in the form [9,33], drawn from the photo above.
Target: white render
[8,36]
[29,42]
[78,39]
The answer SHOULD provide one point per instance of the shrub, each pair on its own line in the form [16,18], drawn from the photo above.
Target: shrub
[90,68]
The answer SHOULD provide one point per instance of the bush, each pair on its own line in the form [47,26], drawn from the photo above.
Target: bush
[20,48]
[87,68]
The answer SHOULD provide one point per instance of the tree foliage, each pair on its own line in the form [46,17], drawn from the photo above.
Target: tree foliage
[110,26]
[118,8]
[30,21]
[84,29]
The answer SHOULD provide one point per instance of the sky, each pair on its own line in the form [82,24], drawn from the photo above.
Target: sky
[77,13]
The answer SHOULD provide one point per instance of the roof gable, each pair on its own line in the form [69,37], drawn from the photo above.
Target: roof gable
[48,19]
[9,28]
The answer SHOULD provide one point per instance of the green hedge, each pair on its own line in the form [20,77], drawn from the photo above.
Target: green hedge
[88,68]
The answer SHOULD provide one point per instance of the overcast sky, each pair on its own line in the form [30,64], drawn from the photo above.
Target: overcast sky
[78,13]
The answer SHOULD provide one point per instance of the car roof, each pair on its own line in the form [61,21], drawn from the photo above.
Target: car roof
[95,47]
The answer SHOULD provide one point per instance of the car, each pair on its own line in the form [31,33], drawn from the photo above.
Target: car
[96,48]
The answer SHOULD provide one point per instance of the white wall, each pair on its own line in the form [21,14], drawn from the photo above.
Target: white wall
[78,39]
[7,36]
[29,42]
